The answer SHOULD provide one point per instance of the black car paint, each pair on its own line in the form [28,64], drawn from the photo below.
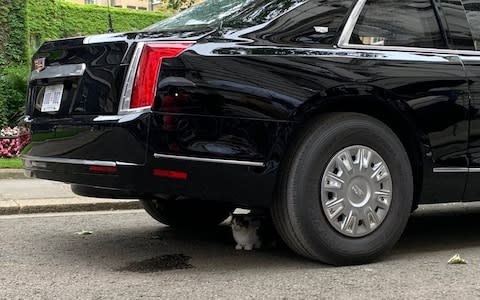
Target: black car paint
[247,94]
[472,66]
[458,21]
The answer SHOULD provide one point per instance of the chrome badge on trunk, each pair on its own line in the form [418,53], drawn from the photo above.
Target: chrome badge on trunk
[39,64]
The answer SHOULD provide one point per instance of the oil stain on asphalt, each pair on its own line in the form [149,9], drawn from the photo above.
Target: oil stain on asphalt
[160,263]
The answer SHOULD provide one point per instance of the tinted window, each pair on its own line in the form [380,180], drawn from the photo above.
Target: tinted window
[321,24]
[317,22]
[472,8]
[208,13]
[410,23]
[236,13]
[457,27]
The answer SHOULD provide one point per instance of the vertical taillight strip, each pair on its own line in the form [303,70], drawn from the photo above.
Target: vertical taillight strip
[130,79]
[141,80]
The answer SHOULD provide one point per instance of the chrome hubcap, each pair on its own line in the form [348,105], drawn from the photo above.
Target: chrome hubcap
[356,191]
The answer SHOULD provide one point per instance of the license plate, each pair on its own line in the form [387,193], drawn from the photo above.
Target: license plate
[52,98]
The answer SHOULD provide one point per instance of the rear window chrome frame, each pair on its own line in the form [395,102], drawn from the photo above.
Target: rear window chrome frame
[124,106]
[344,40]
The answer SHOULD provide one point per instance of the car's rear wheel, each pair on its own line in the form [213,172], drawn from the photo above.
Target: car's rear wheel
[185,212]
[346,191]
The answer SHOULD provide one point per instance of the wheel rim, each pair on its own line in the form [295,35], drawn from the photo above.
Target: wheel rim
[356,191]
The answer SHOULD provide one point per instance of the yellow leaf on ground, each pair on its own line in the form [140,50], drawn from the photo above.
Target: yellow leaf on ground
[84,232]
[456,260]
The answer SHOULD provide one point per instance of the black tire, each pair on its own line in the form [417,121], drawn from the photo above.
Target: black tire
[297,212]
[182,212]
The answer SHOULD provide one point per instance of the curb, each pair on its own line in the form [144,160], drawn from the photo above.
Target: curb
[13,208]
[12,174]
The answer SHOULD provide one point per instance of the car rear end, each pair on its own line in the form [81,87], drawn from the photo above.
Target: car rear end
[89,110]
[159,111]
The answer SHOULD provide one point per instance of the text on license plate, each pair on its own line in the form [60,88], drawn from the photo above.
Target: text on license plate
[52,98]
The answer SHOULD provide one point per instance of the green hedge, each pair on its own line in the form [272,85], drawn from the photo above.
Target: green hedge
[13,89]
[26,24]
[13,32]
[13,59]
[52,19]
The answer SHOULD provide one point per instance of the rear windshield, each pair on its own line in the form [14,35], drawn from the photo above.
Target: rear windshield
[212,13]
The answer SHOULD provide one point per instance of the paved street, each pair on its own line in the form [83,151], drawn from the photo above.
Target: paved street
[130,256]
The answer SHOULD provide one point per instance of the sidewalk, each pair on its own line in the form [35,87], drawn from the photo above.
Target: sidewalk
[25,196]
[11,174]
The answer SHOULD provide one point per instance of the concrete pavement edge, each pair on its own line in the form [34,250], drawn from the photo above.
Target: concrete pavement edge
[12,174]
[12,207]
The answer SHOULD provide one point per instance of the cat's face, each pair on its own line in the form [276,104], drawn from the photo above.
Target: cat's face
[240,222]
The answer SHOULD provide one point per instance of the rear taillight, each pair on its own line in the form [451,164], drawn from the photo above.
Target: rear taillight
[102,169]
[180,175]
[145,86]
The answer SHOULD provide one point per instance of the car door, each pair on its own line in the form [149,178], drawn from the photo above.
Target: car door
[470,22]
[420,69]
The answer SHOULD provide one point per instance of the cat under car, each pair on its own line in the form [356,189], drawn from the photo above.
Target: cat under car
[252,230]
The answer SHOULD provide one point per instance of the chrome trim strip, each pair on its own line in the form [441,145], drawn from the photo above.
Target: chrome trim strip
[211,160]
[132,115]
[450,170]
[76,161]
[130,80]
[471,59]
[351,22]
[411,49]
[76,70]
[474,170]
[135,110]
[102,38]
[107,118]
[344,41]
[125,164]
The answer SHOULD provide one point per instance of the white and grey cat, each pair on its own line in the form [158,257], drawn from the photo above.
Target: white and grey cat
[253,231]
[245,232]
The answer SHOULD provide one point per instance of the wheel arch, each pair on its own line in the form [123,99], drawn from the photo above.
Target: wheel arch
[396,114]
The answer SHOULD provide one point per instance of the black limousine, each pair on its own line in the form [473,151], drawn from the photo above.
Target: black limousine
[339,117]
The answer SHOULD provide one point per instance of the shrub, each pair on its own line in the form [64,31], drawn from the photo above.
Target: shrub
[13,89]
[12,141]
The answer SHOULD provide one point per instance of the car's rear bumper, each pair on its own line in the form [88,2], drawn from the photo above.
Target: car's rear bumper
[223,182]
[116,153]
[79,172]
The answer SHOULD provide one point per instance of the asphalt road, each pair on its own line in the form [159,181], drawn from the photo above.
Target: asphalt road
[130,256]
